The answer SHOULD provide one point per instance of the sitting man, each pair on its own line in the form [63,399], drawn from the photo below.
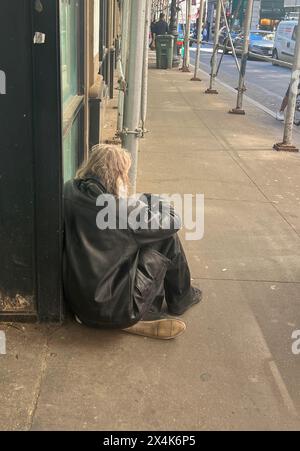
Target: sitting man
[118,274]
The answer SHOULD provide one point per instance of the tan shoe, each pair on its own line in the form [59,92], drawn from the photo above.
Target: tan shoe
[162,329]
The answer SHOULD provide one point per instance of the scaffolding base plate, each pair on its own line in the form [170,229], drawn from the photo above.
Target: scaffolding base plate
[237,111]
[211,91]
[196,79]
[281,147]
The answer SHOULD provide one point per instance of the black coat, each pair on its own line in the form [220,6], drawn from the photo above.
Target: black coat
[111,277]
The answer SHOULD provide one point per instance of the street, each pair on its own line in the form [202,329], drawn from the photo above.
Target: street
[266,84]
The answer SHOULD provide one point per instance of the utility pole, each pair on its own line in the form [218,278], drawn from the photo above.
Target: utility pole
[186,58]
[174,31]
[214,59]
[241,87]
[132,108]
[287,145]
[199,40]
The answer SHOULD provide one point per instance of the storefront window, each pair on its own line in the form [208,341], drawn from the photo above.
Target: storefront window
[69,10]
[70,145]
[71,38]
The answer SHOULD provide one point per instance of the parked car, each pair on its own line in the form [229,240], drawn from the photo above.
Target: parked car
[260,42]
[285,40]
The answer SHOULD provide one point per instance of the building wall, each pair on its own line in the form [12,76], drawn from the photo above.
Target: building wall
[256,14]
[53,107]
[194,10]
[96,28]
[272,9]
[291,3]
[103,40]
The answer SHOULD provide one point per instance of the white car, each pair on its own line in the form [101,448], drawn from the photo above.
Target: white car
[285,40]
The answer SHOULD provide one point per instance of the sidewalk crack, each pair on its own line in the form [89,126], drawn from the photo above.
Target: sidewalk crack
[37,392]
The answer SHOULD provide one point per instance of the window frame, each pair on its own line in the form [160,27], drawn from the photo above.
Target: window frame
[73,108]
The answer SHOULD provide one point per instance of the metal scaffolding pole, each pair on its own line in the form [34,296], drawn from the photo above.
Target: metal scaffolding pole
[214,59]
[132,109]
[287,145]
[199,40]
[229,38]
[174,31]
[145,66]
[241,87]
[122,61]
[186,57]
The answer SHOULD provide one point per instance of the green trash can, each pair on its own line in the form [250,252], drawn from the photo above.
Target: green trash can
[164,51]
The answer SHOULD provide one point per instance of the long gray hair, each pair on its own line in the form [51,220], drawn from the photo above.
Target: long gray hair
[111,164]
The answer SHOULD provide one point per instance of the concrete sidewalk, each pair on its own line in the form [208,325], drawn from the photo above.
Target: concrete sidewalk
[234,367]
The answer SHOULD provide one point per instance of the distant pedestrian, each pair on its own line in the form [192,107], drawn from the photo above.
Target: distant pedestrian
[161,27]
[207,31]
[152,30]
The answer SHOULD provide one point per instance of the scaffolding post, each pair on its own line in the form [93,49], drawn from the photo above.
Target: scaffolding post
[229,37]
[145,67]
[199,40]
[132,107]
[241,87]
[287,145]
[214,59]
[186,57]
[174,31]
[122,60]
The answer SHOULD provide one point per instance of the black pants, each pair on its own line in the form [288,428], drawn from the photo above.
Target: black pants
[176,286]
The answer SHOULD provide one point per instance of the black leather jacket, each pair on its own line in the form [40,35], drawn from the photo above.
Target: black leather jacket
[110,276]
